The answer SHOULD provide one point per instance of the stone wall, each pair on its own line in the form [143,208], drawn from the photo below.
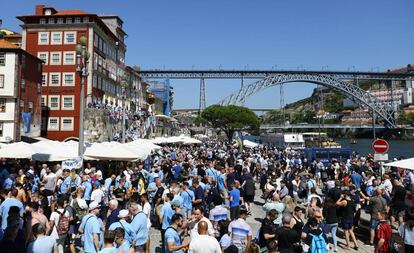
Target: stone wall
[99,126]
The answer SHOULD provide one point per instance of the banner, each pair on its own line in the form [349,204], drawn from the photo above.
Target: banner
[75,163]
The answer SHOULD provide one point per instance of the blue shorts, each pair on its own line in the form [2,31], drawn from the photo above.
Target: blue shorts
[374,223]
[347,225]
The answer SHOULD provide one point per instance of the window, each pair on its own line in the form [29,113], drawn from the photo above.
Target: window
[43,56]
[67,124]
[67,102]
[85,19]
[68,79]
[2,105]
[2,59]
[54,102]
[68,20]
[69,58]
[54,79]
[42,21]
[53,123]
[44,79]
[44,103]
[60,20]
[1,129]
[56,38]
[77,20]
[43,38]
[70,37]
[55,58]
[1,81]
[51,20]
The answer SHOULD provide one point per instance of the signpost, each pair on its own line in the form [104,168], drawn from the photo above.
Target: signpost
[380,147]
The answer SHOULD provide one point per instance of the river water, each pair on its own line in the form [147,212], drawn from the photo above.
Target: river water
[397,147]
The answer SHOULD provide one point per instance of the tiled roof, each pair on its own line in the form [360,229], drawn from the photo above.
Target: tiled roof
[70,12]
[8,45]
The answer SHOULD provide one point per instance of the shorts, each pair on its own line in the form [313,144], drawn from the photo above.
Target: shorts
[347,225]
[374,223]
[249,198]
[140,248]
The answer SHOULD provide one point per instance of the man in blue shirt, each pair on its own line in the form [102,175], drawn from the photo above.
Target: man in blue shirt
[65,186]
[122,223]
[166,214]
[172,240]
[5,207]
[87,188]
[139,225]
[235,201]
[91,228]
[356,179]
[176,169]
[188,198]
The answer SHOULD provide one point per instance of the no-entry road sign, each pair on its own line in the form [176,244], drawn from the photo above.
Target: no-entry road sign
[380,146]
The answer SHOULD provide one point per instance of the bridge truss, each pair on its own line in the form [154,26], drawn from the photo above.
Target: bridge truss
[341,81]
[383,110]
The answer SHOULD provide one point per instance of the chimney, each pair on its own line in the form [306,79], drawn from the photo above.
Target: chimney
[39,10]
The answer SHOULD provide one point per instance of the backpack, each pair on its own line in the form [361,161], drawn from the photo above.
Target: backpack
[318,244]
[63,225]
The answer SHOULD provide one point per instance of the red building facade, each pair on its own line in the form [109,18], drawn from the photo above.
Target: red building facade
[52,36]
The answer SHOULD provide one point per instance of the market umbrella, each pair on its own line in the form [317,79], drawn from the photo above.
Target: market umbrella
[17,150]
[405,164]
[54,150]
[110,151]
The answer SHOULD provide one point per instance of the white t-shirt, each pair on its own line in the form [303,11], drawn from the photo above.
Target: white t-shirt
[55,217]
[204,244]
[147,211]
[50,184]
[194,231]
[97,195]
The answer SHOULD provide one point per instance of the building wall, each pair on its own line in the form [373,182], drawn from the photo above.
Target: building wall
[9,72]
[61,90]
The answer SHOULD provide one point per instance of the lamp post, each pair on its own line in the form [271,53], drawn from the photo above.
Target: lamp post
[123,113]
[82,60]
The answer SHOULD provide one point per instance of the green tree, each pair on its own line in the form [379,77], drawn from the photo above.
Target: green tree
[198,121]
[231,118]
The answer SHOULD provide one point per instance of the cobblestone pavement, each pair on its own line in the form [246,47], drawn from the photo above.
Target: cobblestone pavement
[258,214]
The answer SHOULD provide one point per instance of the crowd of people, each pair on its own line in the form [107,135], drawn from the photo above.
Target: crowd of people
[199,198]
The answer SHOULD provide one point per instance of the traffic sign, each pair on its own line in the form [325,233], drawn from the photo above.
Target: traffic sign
[380,146]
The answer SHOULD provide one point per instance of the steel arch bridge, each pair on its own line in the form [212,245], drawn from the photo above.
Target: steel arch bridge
[383,110]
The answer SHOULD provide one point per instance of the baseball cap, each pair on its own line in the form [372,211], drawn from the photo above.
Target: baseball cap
[87,171]
[93,205]
[243,209]
[123,213]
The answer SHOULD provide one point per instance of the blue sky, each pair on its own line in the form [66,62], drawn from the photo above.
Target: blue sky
[182,34]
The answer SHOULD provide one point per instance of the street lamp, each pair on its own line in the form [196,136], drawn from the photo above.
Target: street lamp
[82,60]
[123,90]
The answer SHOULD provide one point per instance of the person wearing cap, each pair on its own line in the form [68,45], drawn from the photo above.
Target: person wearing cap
[91,228]
[97,193]
[241,232]
[188,197]
[122,223]
[139,225]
